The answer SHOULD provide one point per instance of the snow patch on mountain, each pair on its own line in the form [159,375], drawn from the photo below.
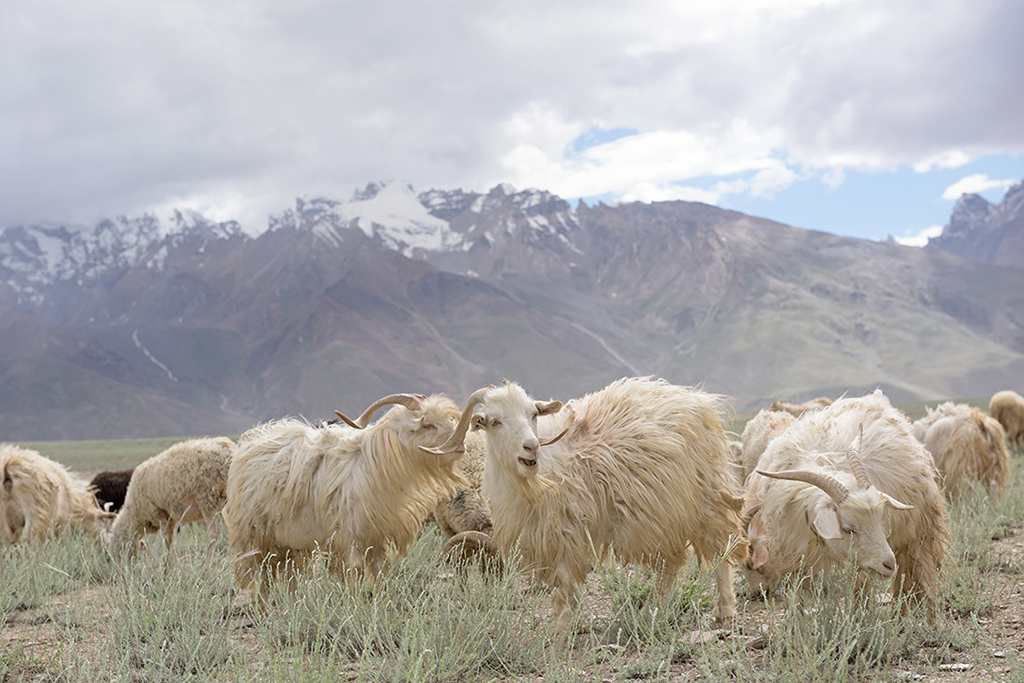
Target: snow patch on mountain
[46,253]
[151,357]
[395,215]
[388,212]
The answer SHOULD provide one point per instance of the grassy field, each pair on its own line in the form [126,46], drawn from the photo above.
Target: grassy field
[88,457]
[69,613]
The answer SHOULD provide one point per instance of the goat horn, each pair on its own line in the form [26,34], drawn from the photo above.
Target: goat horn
[856,461]
[410,401]
[454,442]
[477,539]
[895,503]
[349,422]
[829,484]
[563,433]
[748,517]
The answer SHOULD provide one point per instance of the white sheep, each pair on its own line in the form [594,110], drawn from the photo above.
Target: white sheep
[641,470]
[357,492]
[967,445]
[39,495]
[1007,407]
[185,483]
[825,486]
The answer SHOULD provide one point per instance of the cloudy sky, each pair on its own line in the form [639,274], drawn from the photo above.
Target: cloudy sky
[857,117]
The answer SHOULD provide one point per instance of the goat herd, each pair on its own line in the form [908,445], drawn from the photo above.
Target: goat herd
[642,469]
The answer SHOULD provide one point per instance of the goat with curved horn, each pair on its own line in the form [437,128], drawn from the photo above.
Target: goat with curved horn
[864,468]
[410,401]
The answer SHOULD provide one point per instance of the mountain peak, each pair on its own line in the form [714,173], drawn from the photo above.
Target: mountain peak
[969,214]
[986,232]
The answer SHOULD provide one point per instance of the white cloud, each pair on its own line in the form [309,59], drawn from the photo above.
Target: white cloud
[921,238]
[950,159]
[979,182]
[647,165]
[651,192]
[771,180]
[263,101]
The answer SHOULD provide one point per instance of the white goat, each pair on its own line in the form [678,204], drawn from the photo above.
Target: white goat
[39,495]
[184,484]
[825,485]
[641,469]
[358,492]
[967,445]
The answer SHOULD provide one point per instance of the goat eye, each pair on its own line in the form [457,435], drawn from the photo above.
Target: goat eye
[428,425]
[850,530]
[495,423]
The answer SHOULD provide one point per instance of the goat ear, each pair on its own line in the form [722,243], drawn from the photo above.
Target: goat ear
[549,408]
[758,554]
[825,522]
[479,421]
[758,546]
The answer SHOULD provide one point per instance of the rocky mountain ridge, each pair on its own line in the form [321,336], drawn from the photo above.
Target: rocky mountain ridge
[986,232]
[138,327]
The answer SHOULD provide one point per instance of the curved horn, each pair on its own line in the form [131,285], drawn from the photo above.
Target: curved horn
[748,517]
[856,460]
[410,401]
[895,503]
[829,484]
[347,421]
[454,442]
[472,539]
[563,433]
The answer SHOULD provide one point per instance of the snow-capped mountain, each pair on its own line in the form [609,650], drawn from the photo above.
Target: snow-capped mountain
[33,257]
[387,212]
[439,226]
[179,325]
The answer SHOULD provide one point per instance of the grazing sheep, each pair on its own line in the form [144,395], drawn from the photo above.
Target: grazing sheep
[967,445]
[359,492]
[111,488]
[825,486]
[641,470]
[1007,407]
[181,485]
[798,409]
[39,495]
[759,432]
